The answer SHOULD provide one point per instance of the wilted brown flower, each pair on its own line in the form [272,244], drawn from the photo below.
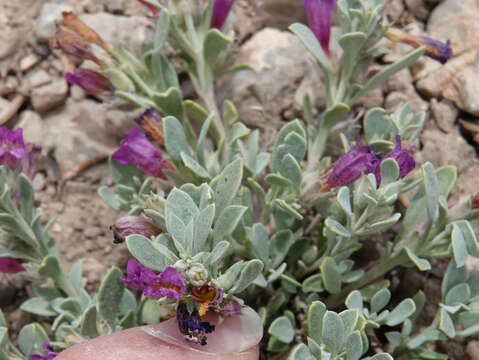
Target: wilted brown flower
[73,23]
[73,44]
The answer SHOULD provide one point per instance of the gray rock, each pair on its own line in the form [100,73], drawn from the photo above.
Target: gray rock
[115,6]
[48,97]
[472,349]
[401,90]
[8,43]
[133,32]
[51,14]
[39,181]
[38,78]
[445,114]
[32,126]
[276,89]
[281,13]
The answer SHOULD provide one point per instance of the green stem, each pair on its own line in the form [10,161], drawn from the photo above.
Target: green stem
[382,267]
[317,149]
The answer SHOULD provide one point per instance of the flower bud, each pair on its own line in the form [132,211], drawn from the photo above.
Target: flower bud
[91,81]
[221,9]
[197,274]
[181,265]
[12,147]
[11,265]
[129,225]
[319,17]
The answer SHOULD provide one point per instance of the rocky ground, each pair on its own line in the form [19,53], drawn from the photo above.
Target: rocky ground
[74,129]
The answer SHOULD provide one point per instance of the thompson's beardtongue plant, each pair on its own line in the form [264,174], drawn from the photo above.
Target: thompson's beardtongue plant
[239,222]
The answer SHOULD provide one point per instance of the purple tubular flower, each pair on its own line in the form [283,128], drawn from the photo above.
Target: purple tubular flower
[12,148]
[91,81]
[350,166]
[403,158]
[150,122]
[221,9]
[11,265]
[128,225]
[48,353]
[152,8]
[137,274]
[438,50]
[169,283]
[33,154]
[231,308]
[191,325]
[138,150]
[319,17]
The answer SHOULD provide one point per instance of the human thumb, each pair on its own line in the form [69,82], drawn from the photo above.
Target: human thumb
[236,338]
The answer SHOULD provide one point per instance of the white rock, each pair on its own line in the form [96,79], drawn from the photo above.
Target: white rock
[29,62]
[47,97]
[39,78]
[51,14]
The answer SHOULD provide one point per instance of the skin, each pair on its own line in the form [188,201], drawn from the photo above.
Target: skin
[235,338]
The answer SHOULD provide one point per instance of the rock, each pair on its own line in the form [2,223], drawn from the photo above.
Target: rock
[115,6]
[133,31]
[374,98]
[32,126]
[93,232]
[39,78]
[47,97]
[457,21]
[445,114]
[275,90]
[39,181]
[29,62]
[394,9]
[51,14]
[8,43]
[401,89]
[472,349]
[282,13]
[417,8]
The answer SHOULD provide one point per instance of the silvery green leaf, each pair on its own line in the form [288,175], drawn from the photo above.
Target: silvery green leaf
[337,228]
[352,44]
[248,274]
[431,186]
[215,43]
[109,197]
[330,275]
[291,170]
[316,313]
[18,226]
[389,171]
[189,237]
[291,139]
[459,247]
[168,256]
[369,291]
[111,290]
[260,242]
[50,267]
[177,230]
[311,42]
[200,145]
[446,325]
[425,336]
[394,338]
[401,312]
[228,184]
[301,352]
[150,312]
[458,294]
[333,332]
[344,200]
[237,132]
[275,302]
[275,345]
[230,277]
[354,300]
[352,276]
[447,176]
[138,100]
[144,251]
[175,138]
[219,251]
[171,102]
[354,346]
[282,329]
[291,209]
[31,338]
[278,180]
[119,80]
[380,300]
[202,227]
[88,326]
[276,273]
[75,275]
[227,222]
[382,356]
[469,236]
[3,322]
[377,125]
[27,196]
[182,205]
[467,318]
[334,115]
[452,277]
[421,264]
[473,283]
[350,319]
[161,29]
[194,166]
[38,306]
[127,303]
[279,246]
[230,114]
[314,283]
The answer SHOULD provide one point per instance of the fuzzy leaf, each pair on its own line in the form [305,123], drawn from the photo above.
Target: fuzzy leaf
[31,338]
[111,290]
[175,138]
[330,275]
[333,332]
[282,329]
[227,222]
[144,251]
[401,312]
[316,313]
[228,185]
[248,274]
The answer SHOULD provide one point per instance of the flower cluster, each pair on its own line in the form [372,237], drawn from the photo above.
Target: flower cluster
[173,284]
[48,353]
[362,160]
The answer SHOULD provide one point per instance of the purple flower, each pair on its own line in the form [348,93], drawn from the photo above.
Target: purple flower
[169,283]
[231,308]
[48,353]
[33,154]
[191,325]
[221,9]
[350,166]
[12,148]
[91,81]
[319,17]
[403,158]
[152,8]
[137,274]
[11,265]
[138,150]
[150,122]
[128,225]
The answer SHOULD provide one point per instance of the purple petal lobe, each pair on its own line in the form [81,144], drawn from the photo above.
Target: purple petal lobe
[48,353]
[221,9]
[319,17]
[403,158]
[91,81]
[169,283]
[12,148]
[230,308]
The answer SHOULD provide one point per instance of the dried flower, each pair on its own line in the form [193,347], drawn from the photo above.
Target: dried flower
[475,202]
[150,122]
[403,158]
[73,23]
[48,353]
[169,283]
[73,44]
[319,17]
[12,148]
[91,81]
[191,325]
[128,225]
[350,166]
[205,295]
[221,9]
[152,8]
[137,274]
[11,265]
[136,149]
[33,154]
[230,308]
[435,49]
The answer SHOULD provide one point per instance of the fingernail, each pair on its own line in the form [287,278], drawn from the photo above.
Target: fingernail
[235,334]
